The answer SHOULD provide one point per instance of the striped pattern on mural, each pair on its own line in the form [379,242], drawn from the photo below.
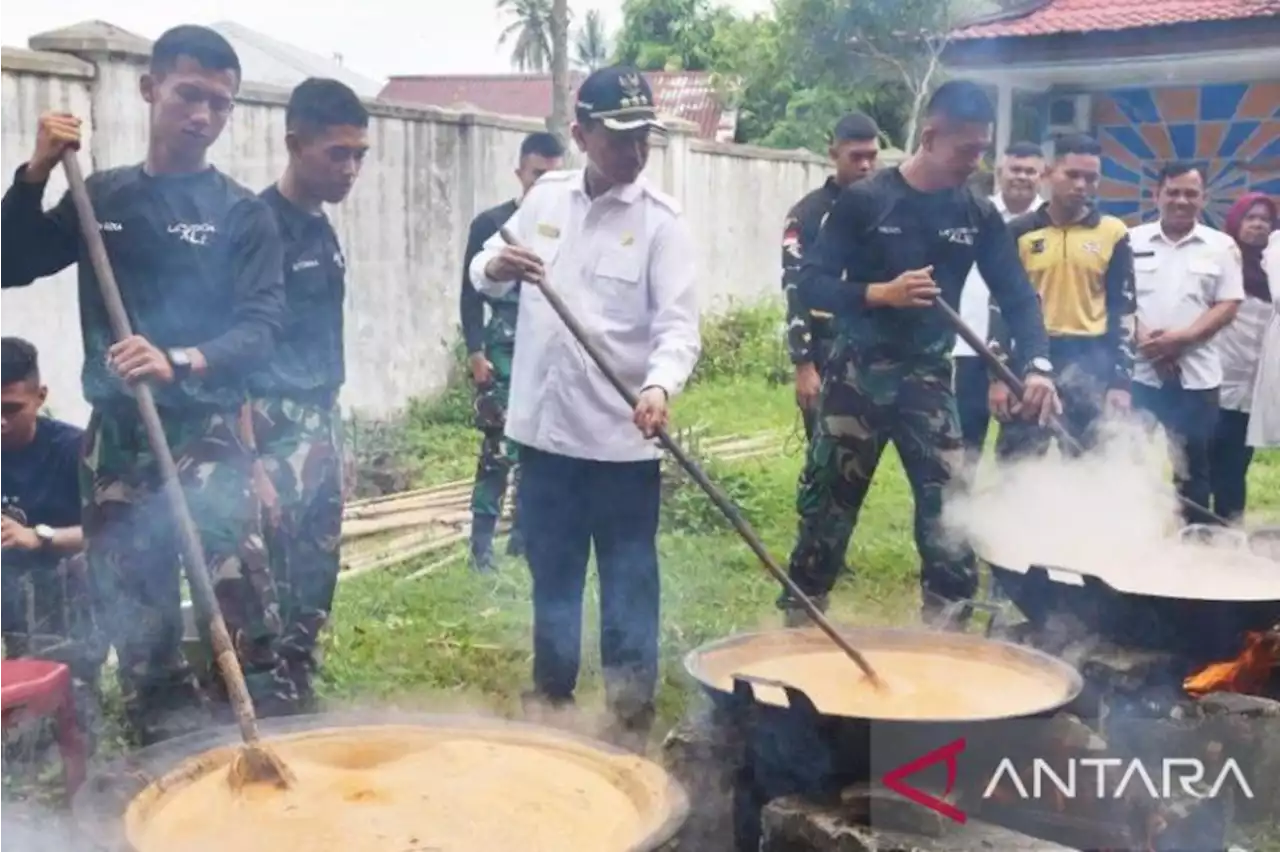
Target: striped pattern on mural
[1232,131]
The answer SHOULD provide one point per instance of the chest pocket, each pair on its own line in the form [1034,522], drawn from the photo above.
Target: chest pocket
[1146,274]
[1202,283]
[618,284]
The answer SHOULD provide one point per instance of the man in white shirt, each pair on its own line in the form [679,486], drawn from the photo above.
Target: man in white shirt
[1189,285]
[1017,184]
[617,251]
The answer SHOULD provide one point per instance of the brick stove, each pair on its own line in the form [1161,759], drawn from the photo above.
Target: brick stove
[1133,706]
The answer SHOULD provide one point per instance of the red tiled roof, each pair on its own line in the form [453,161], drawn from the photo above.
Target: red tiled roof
[686,95]
[1056,17]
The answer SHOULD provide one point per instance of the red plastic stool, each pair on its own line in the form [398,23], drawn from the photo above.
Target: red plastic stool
[42,688]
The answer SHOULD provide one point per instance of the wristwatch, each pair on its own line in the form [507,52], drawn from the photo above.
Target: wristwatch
[44,532]
[1041,366]
[181,363]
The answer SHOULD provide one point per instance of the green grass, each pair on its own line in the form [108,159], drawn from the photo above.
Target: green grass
[458,640]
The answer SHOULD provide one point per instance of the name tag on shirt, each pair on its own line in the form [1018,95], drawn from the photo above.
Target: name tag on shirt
[551,232]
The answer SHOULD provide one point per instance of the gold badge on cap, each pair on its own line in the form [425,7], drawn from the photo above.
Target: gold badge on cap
[632,95]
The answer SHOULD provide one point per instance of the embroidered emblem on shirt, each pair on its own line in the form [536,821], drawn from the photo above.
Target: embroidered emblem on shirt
[791,242]
[958,236]
[1091,247]
[309,263]
[549,231]
[339,261]
[196,235]
[1037,246]
[110,226]
[889,229]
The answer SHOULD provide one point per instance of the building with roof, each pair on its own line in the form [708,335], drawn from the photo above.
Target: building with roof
[277,63]
[1153,80]
[687,95]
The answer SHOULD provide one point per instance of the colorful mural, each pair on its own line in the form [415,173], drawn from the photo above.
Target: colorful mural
[1232,131]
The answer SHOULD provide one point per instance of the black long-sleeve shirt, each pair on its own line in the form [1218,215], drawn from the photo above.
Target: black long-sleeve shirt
[804,221]
[881,227]
[472,302]
[308,362]
[198,261]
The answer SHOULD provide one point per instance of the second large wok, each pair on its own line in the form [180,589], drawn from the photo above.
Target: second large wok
[1199,603]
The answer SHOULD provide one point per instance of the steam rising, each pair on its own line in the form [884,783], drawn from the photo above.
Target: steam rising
[1113,514]
[1115,503]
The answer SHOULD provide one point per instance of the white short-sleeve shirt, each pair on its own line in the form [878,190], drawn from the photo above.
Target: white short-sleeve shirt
[975,298]
[1176,282]
[624,264]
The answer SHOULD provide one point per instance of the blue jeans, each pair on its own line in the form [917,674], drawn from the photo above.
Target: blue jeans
[565,506]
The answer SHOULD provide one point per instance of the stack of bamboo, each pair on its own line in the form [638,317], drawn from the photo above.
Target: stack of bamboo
[379,532]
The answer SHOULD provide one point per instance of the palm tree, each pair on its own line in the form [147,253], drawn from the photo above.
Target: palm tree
[530,28]
[591,44]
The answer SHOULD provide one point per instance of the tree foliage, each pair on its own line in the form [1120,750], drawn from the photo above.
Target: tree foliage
[591,43]
[791,73]
[529,33]
[670,35]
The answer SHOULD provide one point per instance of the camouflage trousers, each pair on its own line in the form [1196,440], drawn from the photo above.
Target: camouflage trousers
[51,612]
[499,457]
[134,556]
[867,402]
[300,444]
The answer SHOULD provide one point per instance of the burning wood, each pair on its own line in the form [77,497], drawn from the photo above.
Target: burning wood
[1248,673]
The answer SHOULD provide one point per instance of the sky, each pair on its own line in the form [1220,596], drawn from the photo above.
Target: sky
[377,38]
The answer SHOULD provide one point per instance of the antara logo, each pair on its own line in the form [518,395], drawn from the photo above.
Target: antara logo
[1087,777]
[195,234]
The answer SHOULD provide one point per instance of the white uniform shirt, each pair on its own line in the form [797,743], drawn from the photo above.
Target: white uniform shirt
[975,298]
[623,263]
[1239,347]
[1176,283]
[1264,416]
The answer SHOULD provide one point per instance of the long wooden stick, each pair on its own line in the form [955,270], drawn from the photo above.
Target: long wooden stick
[192,551]
[1002,372]
[722,502]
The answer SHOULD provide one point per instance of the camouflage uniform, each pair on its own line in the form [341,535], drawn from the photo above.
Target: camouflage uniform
[869,399]
[891,379]
[134,560]
[498,461]
[300,445]
[498,455]
[811,336]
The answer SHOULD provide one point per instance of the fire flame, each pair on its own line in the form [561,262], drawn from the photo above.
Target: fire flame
[1246,674]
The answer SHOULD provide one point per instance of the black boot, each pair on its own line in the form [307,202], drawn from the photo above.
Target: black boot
[482,528]
[794,615]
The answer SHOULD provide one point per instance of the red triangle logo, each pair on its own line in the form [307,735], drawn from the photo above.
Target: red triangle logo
[893,779]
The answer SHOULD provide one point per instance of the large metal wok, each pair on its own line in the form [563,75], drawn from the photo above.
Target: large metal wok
[116,799]
[791,747]
[1155,608]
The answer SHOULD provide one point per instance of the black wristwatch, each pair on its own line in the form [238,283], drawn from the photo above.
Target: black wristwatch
[181,363]
[1040,366]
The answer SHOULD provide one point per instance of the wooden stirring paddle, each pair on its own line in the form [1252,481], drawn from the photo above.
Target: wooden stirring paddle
[718,497]
[253,764]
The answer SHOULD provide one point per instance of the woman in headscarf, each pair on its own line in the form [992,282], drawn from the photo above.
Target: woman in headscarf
[1264,418]
[1250,222]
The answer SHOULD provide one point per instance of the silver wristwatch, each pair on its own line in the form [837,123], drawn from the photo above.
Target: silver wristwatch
[1041,366]
[44,532]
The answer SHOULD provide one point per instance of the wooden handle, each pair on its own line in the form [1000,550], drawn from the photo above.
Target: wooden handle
[722,502]
[192,551]
[1002,372]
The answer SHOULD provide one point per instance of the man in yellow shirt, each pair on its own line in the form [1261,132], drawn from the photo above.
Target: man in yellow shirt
[1081,265]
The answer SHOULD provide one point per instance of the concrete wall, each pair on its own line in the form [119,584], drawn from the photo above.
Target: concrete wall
[1232,130]
[403,228]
